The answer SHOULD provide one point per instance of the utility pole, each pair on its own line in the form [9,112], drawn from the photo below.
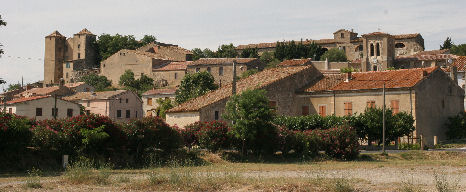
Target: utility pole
[383,117]
[55,107]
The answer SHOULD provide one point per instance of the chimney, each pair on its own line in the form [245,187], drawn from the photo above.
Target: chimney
[348,76]
[453,76]
[233,84]
[326,64]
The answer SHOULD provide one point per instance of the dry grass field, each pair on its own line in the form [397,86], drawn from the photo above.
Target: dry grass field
[407,171]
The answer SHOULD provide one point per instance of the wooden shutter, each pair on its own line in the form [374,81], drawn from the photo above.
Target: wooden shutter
[348,108]
[323,110]
[395,105]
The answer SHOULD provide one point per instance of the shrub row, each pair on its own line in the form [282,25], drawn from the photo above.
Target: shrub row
[340,142]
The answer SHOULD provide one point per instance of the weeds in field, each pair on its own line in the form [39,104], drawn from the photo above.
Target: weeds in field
[33,179]
[123,179]
[443,184]
[83,172]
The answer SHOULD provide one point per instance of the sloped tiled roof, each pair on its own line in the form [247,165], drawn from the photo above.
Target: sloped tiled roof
[24,99]
[84,32]
[93,95]
[406,36]
[295,62]
[326,82]
[173,66]
[460,63]
[55,34]
[255,81]
[40,91]
[429,55]
[210,61]
[403,78]
[160,92]
[72,85]
[376,33]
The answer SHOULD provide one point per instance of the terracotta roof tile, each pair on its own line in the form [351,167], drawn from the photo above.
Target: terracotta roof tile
[55,34]
[210,61]
[93,95]
[160,92]
[295,62]
[172,66]
[24,99]
[254,81]
[84,32]
[376,33]
[429,55]
[403,78]
[326,82]
[406,36]
[72,85]
[460,63]
[40,91]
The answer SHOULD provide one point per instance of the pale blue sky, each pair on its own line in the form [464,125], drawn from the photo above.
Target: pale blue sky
[209,23]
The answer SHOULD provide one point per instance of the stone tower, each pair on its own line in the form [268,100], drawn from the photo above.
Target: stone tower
[53,58]
[68,58]
[378,51]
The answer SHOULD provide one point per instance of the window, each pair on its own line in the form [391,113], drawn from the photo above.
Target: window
[38,112]
[88,112]
[208,69]
[377,46]
[198,69]
[104,65]
[126,100]
[79,55]
[149,113]
[55,112]
[374,68]
[79,45]
[348,108]
[176,75]
[220,71]
[149,101]
[66,74]
[216,115]
[10,110]
[119,113]
[128,113]
[342,35]
[399,45]
[372,49]
[323,110]
[359,48]
[370,104]
[304,110]
[395,105]
[88,103]
[273,105]
[67,64]
[69,112]
[120,100]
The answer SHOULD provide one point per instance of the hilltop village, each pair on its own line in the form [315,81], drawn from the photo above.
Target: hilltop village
[380,67]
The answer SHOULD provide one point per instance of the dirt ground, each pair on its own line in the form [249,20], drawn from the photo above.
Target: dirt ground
[417,171]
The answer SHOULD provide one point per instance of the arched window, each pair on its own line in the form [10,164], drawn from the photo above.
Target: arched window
[399,45]
[358,48]
[378,49]
[372,49]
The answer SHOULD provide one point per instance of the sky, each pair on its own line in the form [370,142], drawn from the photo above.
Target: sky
[210,23]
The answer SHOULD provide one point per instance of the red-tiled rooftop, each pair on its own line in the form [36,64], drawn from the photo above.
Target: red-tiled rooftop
[295,62]
[255,81]
[460,63]
[24,99]
[55,34]
[208,61]
[72,85]
[403,78]
[84,32]
[325,82]
[40,91]
[160,92]
[173,66]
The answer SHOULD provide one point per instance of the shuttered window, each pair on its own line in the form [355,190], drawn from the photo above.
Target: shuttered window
[323,110]
[149,101]
[395,105]
[370,104]
[348,108]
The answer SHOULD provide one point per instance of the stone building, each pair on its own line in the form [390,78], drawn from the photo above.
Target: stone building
[222,68]
[149,60]
[120,105]
[42,107]
[170,73]
[65,56]
[374,50]
[441,58]
[427,93]
[54,90]
[79,87]
[149,99]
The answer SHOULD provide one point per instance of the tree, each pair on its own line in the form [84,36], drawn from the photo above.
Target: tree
[2,23]
[293,50]
[209,53]
[164,105]
[249,53]
[252,116]
[268,57]
[459,50]
[226,51]
[447,44]
[139,86]
[12,87]
[100,83]
[248,73]
[334,55]
[107,45]
[194,85]
[197,54]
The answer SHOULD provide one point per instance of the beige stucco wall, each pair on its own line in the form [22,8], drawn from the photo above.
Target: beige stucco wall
[28,108]
[169,76]
[147,108]
[227,76]
[182,119]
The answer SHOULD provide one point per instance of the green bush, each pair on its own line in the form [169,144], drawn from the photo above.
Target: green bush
[214,136]
[456,127]
[310,122]
[15,134]
[340,142]
[151,132]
